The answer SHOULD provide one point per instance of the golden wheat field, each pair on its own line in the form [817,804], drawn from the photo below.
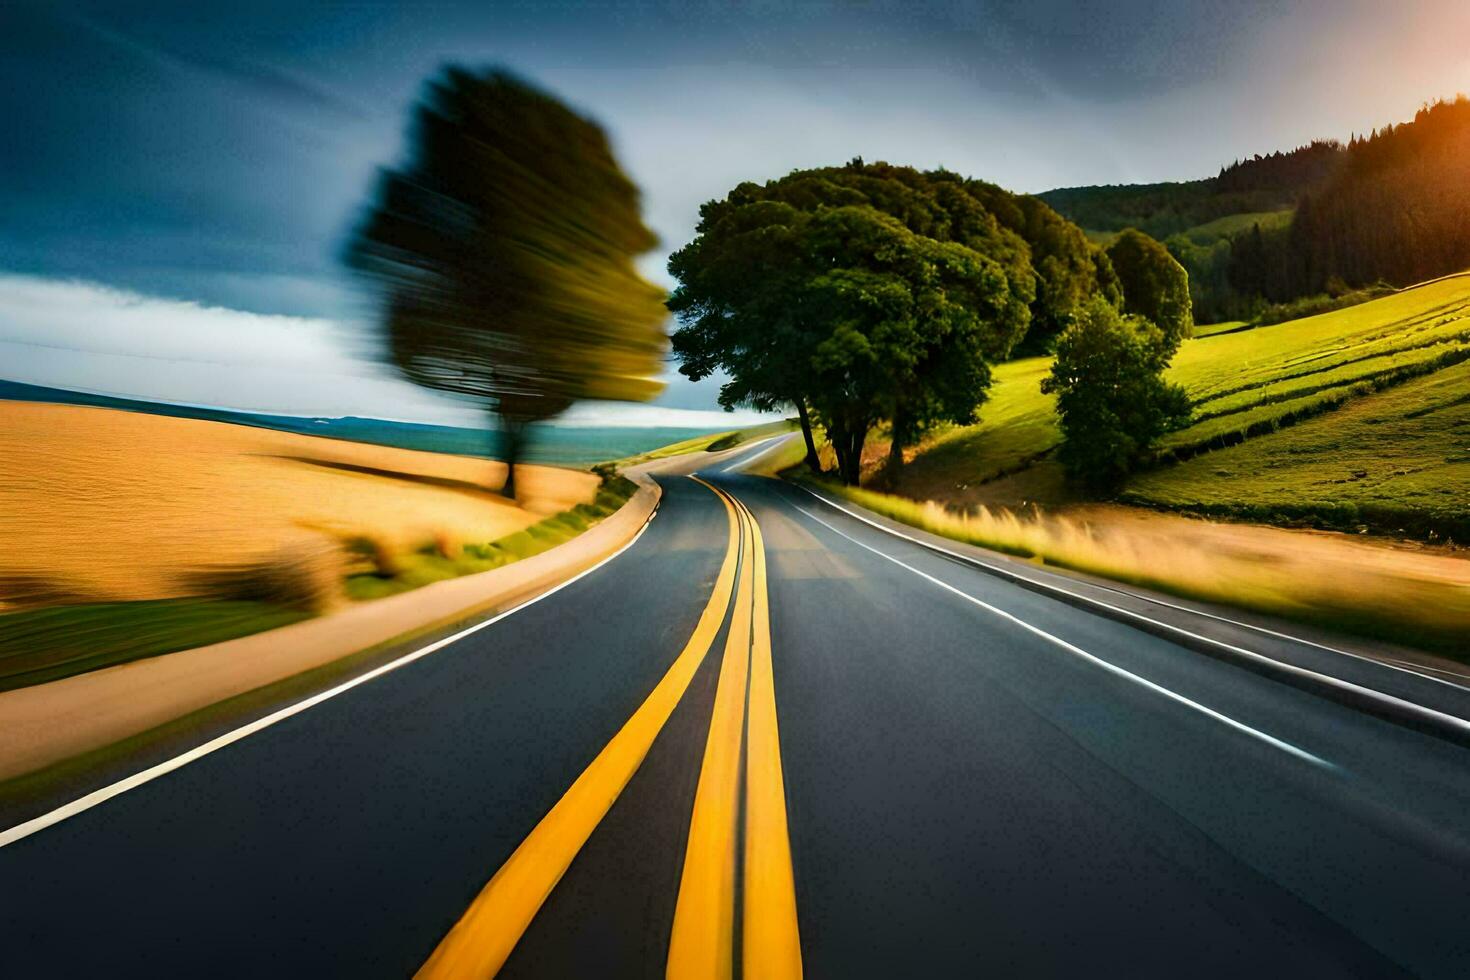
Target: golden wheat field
[99,505]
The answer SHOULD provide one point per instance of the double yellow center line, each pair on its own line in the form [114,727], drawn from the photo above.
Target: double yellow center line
[701,944]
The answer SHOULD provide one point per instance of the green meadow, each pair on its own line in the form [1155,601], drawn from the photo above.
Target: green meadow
[1356,417]
[1235,224]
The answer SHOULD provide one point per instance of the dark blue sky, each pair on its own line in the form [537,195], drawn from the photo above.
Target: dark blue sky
[216,152]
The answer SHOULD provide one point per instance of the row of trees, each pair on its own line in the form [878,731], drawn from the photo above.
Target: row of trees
[1272,182]
[873,293]
[1397,210]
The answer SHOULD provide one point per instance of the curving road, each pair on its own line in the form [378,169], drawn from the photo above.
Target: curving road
[771,739]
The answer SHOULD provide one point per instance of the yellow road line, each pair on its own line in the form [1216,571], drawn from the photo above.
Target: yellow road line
[701,944]
[771,943]
[480,942]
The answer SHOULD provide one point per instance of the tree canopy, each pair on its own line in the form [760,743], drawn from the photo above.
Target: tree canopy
[870,292]
[1112,401]
[1155,286]
[503,254]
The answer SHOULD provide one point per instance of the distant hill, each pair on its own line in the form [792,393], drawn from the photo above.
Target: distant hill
[558,445]
[1328,220]
[1268,183]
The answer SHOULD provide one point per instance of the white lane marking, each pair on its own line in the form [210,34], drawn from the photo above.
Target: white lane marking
[1412,668]
[1070,648]
[1405,669]
[746,461]
[100,796]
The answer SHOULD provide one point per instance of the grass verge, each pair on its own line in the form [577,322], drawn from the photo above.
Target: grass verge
[1327,585]
[50,643]
[40,645]
[444,559]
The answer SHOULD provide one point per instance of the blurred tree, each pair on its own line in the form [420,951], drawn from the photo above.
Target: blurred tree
[1112,399]
[1155,286]
[503,251]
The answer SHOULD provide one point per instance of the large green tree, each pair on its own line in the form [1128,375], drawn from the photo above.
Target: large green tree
[858,294]
[909,326]
[1070,270]
[738,302]
[1112,400]
[1155,286]
[503,252]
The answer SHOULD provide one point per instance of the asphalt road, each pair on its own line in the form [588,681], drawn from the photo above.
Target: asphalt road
[783,744]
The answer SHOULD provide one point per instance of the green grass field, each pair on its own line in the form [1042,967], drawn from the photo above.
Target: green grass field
[1211,231]
[1017,424]
[1394,360]
[39,645]
[1396,461]
[1234,224]
[1224,326]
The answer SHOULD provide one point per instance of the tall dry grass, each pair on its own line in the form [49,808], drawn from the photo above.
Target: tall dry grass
[1410,597]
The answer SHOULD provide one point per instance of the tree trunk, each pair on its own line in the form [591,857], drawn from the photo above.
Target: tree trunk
[812,461]
[850,455]
[837,438]
[512,444]
[895,450]
[848,444]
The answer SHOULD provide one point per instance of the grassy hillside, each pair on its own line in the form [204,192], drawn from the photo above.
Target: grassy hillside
[1234,224]
[1224,326]
[1395,362]
[1397,460]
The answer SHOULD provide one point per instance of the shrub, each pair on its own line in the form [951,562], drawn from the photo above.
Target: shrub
[1321,303]
[305,576]
[724,442]
[1155,285]
[378,553]
[1111,397]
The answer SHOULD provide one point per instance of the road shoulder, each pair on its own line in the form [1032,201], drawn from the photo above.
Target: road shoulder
[66,723]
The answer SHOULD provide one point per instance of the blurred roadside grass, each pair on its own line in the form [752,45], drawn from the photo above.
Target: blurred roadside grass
[381,572]
[1322,582]
[47,644]
[44,644]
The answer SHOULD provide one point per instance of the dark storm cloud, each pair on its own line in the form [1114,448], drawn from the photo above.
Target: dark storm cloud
[158,140]
[218,152]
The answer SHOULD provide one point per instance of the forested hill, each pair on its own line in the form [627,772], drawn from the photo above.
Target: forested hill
[1398,210]
[1312,228]
[1261,184]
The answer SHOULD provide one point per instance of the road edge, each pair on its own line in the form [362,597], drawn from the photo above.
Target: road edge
[1387,707]
[48,724]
